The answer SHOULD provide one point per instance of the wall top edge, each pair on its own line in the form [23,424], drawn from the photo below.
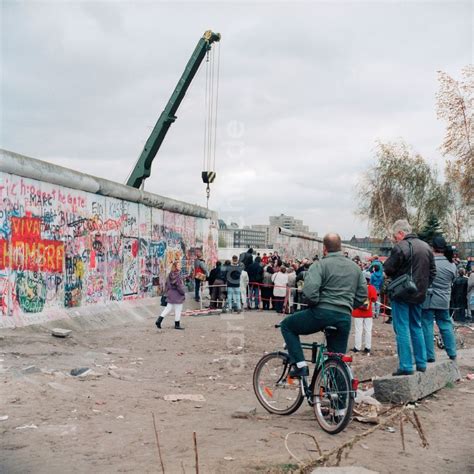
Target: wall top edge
[27,167]
[302,235]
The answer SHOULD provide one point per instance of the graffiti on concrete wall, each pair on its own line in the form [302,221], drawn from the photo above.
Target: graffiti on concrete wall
[64,248]
[291,247]
[295,247]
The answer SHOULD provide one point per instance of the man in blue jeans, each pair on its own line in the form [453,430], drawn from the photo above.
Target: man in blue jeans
[436,304]
[410,255]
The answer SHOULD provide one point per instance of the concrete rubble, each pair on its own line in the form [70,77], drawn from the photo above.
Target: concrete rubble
[245,413]
[59,332]
[179,397]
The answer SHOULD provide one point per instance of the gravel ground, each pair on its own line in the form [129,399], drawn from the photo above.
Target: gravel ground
[58,423]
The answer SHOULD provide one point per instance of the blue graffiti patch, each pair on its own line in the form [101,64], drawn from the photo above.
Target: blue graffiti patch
[158,249]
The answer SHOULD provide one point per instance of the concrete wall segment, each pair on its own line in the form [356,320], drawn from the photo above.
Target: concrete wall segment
[65,250]
[292,244]
[27,167]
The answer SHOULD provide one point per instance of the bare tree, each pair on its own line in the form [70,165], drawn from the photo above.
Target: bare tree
[455,105]
[401,185]
[457,217]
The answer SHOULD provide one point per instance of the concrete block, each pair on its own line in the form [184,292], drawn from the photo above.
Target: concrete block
[31,369]
[245,413]
[59,332]
[367,368]
[409,388]
[89,375]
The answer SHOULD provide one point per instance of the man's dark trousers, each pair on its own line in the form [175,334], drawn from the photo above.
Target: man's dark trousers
[197,288]
[313,320]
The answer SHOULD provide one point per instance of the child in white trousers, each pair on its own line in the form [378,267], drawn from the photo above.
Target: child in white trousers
[178,308]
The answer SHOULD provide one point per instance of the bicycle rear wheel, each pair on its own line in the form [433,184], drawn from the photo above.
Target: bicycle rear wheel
[333,400]
[439,341]
[275,390]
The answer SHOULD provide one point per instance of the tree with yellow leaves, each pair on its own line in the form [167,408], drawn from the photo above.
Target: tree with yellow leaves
[399,185]
[455,105]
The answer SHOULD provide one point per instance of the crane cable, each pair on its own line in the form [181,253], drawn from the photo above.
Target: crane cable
[217,103]
[210,118]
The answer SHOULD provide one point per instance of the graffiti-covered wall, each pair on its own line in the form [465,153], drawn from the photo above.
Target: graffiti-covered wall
[62,248]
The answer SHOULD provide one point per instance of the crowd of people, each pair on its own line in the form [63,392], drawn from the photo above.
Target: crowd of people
[265,282]
[417,285]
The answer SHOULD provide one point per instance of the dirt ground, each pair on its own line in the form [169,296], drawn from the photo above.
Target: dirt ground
[58,423]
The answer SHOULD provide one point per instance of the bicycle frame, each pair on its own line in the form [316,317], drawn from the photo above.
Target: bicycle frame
[318,356]
[330,392]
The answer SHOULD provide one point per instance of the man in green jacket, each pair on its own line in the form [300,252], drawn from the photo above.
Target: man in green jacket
[333,286]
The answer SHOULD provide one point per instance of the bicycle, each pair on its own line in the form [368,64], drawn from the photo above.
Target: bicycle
[331,391]
[460,332]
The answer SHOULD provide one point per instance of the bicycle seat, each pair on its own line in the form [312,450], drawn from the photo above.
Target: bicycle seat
[329,329]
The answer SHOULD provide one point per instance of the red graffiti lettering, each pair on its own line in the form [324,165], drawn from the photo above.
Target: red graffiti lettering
[27,251]
[135,248]
[26,228]
[5,255]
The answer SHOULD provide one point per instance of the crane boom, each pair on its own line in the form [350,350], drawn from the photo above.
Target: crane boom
[142,169]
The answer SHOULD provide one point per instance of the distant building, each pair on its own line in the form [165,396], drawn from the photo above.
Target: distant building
[259,235]
[226,237]
[249,238]
[381,247]
[233,237]
[288,222]
[271,233]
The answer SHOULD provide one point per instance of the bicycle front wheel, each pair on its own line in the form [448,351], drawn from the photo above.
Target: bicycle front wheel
[333,400]
[275,390]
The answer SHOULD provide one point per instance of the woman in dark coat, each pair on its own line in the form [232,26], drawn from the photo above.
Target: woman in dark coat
[175,294]
[459,297]
[217,285]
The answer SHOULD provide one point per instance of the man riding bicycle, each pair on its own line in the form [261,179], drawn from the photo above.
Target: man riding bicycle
[333,286]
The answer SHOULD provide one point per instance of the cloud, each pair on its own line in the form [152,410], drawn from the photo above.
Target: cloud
[310,86]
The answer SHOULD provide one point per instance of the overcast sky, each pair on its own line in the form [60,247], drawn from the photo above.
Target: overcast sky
[308,86]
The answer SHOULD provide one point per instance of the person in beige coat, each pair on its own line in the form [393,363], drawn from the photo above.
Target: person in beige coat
[244,283]
[280,280]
